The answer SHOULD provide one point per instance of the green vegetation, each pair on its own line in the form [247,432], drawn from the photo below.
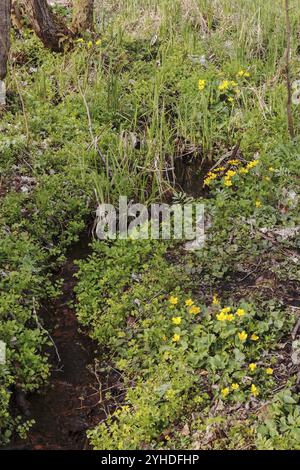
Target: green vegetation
[201,341]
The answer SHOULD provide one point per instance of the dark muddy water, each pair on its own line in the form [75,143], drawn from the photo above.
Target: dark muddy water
[71,402]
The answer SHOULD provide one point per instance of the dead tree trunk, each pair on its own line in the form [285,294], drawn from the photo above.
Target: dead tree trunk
[48,27]
[17,15]
[5,23]
[83,15]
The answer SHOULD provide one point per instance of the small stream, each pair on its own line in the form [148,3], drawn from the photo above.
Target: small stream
[70,404]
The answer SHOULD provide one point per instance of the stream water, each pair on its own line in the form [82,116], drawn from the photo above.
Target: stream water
[71,402]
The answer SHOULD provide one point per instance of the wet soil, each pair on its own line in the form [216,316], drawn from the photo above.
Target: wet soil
[71,403]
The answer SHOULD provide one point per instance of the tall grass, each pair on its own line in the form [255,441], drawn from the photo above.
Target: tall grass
[141,85]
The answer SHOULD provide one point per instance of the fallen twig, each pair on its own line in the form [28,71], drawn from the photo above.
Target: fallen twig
[46,331]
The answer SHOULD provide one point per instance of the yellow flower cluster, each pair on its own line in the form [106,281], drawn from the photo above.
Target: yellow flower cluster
[89,44]
[225,315]
[243,74]
[235,386]
[252,164]
[228,178]
[188,303]
[226,85]
[252,367]
[194,310]
[242,171]
[225,391]
[243,336]
[201,84]
[211,176]
[234,162]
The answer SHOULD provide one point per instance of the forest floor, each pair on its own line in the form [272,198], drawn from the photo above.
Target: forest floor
[130,344]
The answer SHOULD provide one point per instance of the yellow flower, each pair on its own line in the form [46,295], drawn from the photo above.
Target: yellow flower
[234,162]
[222,316]
[98,42]
[225,392]
[201,84]
[164,338]
[240,312]
[243,74]
[230,99]
[226,310]
[224,85]
[176,320]
[252,164]
[173,300]
[210,177]
[194,310]
[89,44]
[267,178]
[269,371]
[243,336]
[243,171]
[235,386]
[254,390]
[176,338]
[80,40]
[230,173]
[252,367]
[254,337]
[167,437]
[258,204]
[271,169]
[215,300]
[228,183]
[189,302]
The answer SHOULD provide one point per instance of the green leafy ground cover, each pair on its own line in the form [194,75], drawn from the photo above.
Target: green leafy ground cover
[201,341]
